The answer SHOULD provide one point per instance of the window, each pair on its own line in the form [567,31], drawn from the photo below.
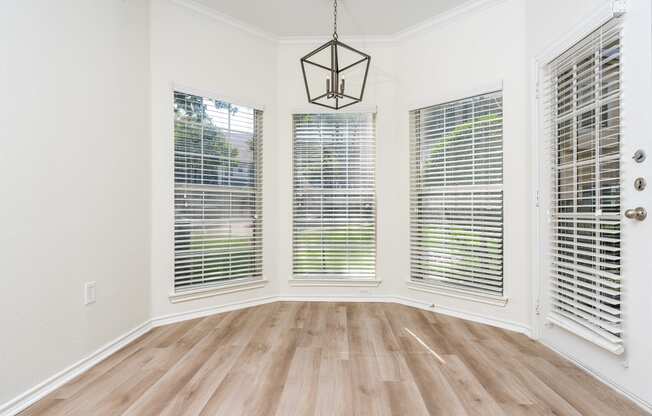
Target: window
[456,223]
[334,232]
[583,121]
[217,192]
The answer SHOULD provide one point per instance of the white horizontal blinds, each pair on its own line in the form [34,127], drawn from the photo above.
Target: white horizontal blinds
[456,224]
[583,98]
[334,232]
[217,192]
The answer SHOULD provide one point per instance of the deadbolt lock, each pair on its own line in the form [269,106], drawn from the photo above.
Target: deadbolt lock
[640,184]
[639,156]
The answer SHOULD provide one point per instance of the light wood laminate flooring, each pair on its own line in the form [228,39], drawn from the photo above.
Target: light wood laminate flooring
[303,358]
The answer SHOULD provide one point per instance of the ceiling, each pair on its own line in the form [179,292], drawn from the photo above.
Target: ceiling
[286,18]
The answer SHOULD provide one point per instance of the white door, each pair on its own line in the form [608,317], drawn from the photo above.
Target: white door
[595,292]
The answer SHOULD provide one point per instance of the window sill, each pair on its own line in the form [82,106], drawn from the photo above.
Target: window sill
[459,294]
[335,282]
[587,334]
[206,292]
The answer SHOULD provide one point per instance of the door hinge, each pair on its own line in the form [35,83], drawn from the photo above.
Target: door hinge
[537,198]
[537,308]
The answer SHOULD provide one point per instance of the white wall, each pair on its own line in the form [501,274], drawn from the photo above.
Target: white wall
[468,55]
[75,181]
[425,69]
[91,198]
[549,24]
[197,50]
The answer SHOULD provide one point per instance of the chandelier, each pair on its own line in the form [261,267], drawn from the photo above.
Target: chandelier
[335,74]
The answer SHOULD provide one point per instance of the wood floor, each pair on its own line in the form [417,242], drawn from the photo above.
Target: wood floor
[333,359]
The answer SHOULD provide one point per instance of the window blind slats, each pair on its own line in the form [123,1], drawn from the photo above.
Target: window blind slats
[217,192]
[334,202]
[456,198]
[582,103]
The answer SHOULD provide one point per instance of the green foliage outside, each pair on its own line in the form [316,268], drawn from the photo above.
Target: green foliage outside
[459,243]
[193,112]
[197,132]
[361,240]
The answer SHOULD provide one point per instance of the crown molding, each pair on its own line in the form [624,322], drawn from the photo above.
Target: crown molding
[468,7]
[224,18]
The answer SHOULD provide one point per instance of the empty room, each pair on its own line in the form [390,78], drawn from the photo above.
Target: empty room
[326,207]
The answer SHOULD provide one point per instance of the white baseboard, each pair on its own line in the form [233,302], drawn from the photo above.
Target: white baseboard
[334,298]
[509,325]
[26,399]
[20,403]
[469,316]
[631,396]
[212,310]
[38,392]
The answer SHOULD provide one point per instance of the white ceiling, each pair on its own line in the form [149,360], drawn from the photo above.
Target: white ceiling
[284,18]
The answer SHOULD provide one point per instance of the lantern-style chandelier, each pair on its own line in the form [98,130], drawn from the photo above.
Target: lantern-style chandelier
[341,69]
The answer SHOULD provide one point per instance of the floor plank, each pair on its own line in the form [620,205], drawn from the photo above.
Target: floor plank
[302,358]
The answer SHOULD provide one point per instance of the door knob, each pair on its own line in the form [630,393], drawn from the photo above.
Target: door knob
[638,213]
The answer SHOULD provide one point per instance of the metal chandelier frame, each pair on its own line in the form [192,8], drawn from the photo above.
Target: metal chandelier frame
[335,85]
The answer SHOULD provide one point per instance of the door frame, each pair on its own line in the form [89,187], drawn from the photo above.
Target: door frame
[539,242]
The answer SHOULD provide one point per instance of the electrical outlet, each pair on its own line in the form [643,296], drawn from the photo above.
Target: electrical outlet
[89,293]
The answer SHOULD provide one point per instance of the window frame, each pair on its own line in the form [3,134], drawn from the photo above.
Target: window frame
[605,21]
[332,280]
[228,285]
[450,290]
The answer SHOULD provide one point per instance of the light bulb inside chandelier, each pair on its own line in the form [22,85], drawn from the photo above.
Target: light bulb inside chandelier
[344,69]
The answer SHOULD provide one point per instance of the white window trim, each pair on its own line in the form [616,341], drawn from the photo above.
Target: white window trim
[342,282]
[458,294]
[358,108]
[322,281]
[203,92]
[587,334]
[537,72]
[236,285]
[457,94]
[453,292]
[205,292]
[538,65]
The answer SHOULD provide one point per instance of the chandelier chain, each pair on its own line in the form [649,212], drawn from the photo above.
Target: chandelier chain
[334,19]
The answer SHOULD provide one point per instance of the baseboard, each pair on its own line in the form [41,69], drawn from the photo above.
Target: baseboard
[211,310]
[469,316]
[334,298]
[41,390]
[509,325]
[38,392]
[631,396]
